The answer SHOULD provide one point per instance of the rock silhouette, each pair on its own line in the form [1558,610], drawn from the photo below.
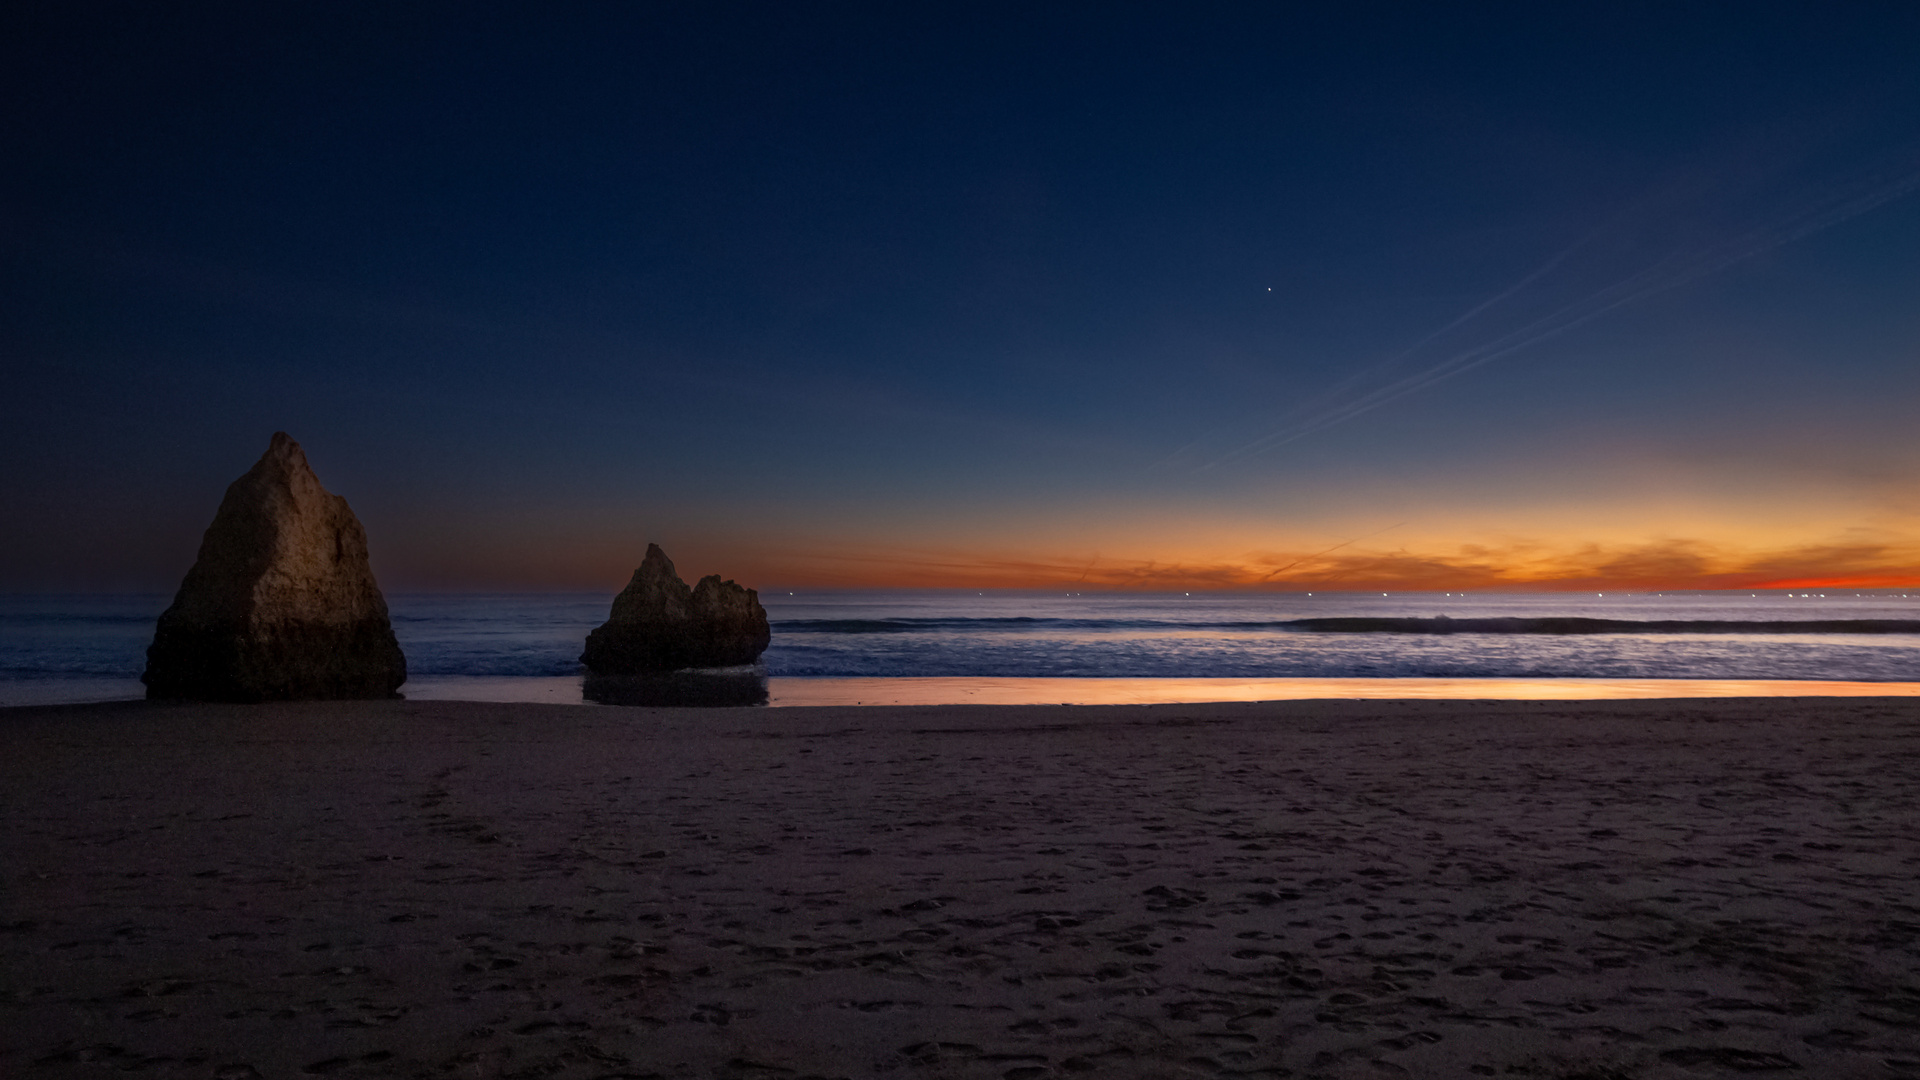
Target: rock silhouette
[658,624]
[281,602]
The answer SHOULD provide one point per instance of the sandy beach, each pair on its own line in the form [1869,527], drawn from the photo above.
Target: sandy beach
[1339,889]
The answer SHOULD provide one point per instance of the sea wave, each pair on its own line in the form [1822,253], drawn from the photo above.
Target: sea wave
[71,668]
[1566,625]
[1017,624]
[88,619]
[1357,625]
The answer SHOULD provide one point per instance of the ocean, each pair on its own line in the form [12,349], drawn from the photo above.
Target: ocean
[847,646]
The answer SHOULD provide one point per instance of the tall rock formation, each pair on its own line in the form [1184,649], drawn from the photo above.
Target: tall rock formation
[658,624]
[281,602]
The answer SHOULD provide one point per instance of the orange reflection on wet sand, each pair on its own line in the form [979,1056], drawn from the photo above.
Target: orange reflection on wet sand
[1013,691]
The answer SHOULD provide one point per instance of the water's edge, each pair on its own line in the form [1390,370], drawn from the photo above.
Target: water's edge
[782,691]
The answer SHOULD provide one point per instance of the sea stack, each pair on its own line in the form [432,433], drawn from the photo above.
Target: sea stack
[281,602]
[658,624]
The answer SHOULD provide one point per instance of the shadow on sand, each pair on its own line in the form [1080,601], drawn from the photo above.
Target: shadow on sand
[674,688]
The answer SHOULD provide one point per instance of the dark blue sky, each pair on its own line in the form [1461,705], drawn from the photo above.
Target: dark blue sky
[836,294]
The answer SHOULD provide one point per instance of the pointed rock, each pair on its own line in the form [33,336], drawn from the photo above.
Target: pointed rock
[281,602]
[658,624]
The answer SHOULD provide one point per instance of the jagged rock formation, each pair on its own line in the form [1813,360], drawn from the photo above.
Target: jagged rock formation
[658,624]
[281,602]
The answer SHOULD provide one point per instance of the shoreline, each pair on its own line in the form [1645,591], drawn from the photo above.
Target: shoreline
[1639,889]
[787,691]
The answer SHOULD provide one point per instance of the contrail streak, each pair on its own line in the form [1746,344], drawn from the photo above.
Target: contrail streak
[1542,271]
[1670,272]
[1344,543]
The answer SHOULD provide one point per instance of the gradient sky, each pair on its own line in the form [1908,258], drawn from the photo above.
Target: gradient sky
[1525,296]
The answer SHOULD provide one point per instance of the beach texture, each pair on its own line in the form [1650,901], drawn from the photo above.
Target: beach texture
[1338,889]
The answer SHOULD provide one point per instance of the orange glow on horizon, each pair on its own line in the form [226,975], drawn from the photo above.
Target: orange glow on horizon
[1166,552]
[1660,566]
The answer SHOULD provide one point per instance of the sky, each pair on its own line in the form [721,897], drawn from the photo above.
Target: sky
[1088,296]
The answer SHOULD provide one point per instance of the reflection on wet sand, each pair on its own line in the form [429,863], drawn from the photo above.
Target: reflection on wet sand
[737,688]
[692,687]
[1059,691]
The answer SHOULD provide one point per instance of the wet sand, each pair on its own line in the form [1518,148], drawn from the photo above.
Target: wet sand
[1359,888]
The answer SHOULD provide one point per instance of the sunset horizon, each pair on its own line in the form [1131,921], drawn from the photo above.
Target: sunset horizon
[959,541]
[1454,300]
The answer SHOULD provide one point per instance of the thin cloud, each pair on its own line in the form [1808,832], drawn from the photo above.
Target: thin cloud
[1814,213]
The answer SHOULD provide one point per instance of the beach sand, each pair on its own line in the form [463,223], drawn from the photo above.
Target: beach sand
[1364,889]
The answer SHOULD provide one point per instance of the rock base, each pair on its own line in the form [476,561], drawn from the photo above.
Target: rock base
[297,661]
[677,689]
